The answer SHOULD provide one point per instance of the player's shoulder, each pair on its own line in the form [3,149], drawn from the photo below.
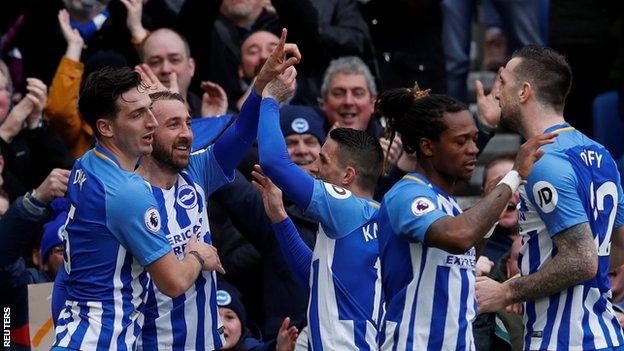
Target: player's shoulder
[410,186]
[413,189]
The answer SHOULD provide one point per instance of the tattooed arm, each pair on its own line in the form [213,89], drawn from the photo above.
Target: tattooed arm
[575,262]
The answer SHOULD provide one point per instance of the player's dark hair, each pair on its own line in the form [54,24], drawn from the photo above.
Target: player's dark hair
[415,114]
[547,71]
[100,91]
[361,151]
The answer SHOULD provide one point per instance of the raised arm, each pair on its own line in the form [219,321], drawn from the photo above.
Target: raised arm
[237,139]
[458,234]
[296,253]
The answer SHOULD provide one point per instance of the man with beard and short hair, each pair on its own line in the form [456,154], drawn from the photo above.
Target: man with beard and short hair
[181,182]
[571,217]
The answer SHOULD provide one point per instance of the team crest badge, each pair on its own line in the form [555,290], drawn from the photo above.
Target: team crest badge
[421,206]
[300,125]
[187,197]
[152,220]
[223,298]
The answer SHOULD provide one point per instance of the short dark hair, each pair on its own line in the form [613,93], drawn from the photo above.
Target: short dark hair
[360,150]
[166,95]
[415,116]
[548,71]
[100,91]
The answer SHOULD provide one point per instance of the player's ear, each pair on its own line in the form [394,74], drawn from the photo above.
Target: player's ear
[104,127]
[426,147]
[349,177]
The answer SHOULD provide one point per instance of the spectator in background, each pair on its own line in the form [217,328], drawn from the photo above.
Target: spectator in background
[237,335]
[348,100]
[102,24]
[216,45]
[62,107]
[323,29]
[254,52]
[28,145]
[520,18]
[17,232]
[507,227]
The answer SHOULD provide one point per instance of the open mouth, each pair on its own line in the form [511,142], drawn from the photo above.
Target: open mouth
[148,138]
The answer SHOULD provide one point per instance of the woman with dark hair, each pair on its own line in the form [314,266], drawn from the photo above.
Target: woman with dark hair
[421,225]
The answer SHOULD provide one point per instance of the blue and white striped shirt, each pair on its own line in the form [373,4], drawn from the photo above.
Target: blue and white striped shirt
[345,287]
[576,181]
[428,292]
[113,230]
[190,321]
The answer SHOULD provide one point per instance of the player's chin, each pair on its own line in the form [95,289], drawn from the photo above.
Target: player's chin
[145,149]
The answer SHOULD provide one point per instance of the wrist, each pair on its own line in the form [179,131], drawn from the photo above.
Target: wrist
[279,217]
[507,293]
[74,50]
[138,35]
[6,135]
[198,257]
[512,180]
[37,122]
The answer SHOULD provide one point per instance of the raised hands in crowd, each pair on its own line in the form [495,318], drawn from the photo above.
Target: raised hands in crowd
[29,110]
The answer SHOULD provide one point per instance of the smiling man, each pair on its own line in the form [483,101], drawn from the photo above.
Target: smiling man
[114,232]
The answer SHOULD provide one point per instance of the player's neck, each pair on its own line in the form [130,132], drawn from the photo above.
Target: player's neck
[538,120]
[126,161]
[157,174]
[440,180]
[359,192]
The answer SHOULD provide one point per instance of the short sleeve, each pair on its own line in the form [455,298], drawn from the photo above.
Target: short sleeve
[132,217]
[552,189]
[338,210]
[412,210]
[205,170]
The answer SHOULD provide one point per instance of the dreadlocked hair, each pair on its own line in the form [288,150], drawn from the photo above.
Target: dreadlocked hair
[415,114]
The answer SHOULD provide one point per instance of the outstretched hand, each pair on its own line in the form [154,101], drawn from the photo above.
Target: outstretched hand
[152,83]
[271,195]
[488,107]
[530,152]
[283,56]
[71,35]
[214,100]
[133,19]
